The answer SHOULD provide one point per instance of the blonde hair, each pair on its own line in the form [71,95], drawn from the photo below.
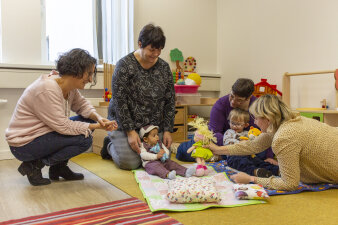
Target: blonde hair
[272,108]
[239,115]
[203,130]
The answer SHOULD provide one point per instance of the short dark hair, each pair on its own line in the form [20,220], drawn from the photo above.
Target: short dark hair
[243,87]
[75,63]
[152,35]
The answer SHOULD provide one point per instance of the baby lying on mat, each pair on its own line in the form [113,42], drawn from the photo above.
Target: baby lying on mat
[155,156]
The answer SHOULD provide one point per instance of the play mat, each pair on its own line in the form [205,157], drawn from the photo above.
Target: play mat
[155,189]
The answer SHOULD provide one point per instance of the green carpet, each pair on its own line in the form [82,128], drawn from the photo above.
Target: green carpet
[303,208]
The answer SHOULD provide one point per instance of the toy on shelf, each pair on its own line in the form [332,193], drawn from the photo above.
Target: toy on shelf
[177,76]
[264,87]
[190,64]
[107,95]
[189,85]
[324,104]
[176,56]
[193,79]
[203,136]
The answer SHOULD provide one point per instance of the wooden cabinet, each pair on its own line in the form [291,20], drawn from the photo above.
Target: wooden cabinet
[98,135]
[180,124]
[180,133]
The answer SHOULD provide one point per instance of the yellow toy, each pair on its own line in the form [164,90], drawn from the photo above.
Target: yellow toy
[253,133]
[203,136]
[193,79]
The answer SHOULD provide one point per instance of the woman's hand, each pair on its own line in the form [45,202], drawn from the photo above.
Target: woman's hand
[167,139]
[242,178]
[271,161]
[107,124]
[212,146]
[134,141]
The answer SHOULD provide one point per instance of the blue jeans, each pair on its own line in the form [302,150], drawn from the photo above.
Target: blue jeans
[53,148]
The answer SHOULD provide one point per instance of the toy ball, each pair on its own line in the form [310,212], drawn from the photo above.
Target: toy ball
[195,77]
[180,82]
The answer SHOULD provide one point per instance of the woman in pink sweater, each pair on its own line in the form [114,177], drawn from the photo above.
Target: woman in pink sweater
[41,133]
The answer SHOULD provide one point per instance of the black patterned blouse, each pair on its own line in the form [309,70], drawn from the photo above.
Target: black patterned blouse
[141,97]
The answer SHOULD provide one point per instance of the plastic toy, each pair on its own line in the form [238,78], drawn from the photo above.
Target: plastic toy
[253,133]
[203,136]
[193,79]
[176,56]
[190,64]
[107,95]
[264,87]
[180,82]
[324,104]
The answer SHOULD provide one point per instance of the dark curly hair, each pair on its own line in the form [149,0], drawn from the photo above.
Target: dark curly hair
[75,63]
[152,35]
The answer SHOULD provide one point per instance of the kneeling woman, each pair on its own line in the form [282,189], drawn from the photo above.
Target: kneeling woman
[41,133]
[306,149]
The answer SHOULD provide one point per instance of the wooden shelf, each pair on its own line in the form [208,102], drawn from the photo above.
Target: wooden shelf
[324,111]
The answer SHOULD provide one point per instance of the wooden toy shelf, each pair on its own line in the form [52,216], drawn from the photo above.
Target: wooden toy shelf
[327,116]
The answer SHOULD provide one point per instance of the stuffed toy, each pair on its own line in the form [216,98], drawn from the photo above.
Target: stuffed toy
[253,133]
[203,136]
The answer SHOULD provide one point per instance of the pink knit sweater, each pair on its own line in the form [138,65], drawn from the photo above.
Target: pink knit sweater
[41,109]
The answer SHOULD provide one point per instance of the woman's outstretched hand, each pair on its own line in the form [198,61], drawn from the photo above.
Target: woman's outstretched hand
[211,146]
[242,178]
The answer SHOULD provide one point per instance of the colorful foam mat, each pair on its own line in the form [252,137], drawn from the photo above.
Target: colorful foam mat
[221,166]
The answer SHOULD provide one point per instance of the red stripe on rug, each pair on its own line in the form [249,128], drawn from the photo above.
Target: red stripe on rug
[127,211]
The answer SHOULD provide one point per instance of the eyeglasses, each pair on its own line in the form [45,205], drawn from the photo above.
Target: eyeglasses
[234,124]
[237,99]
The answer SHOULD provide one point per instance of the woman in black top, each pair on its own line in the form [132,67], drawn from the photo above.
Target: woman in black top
[142,94]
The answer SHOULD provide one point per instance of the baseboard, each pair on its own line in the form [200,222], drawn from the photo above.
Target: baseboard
[6,154]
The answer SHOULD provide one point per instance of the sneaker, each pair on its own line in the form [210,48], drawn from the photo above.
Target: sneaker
[261,172]
[104,149]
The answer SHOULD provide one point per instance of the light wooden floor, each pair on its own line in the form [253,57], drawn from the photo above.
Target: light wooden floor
[20,199]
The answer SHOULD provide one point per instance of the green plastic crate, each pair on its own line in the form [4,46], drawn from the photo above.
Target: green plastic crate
[316,116]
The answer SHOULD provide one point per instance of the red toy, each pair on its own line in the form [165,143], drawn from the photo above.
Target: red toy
[264,87]
[107,95]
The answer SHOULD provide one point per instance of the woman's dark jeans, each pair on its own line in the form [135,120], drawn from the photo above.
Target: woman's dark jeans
[53,148]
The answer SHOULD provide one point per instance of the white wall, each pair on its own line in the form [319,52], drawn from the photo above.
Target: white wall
[21,31]
[189,25]
[266,38]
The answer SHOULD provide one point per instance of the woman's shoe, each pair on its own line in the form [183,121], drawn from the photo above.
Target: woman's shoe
[62,170]
[33,171]
[104,149]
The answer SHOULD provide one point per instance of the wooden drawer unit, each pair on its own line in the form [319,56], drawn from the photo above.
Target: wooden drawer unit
[179,115]
[179,134]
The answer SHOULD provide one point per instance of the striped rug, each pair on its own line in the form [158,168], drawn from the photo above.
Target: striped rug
[126,212]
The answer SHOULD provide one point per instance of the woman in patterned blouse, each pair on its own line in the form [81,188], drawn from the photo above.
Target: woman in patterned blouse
[306,149]
[142,94]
